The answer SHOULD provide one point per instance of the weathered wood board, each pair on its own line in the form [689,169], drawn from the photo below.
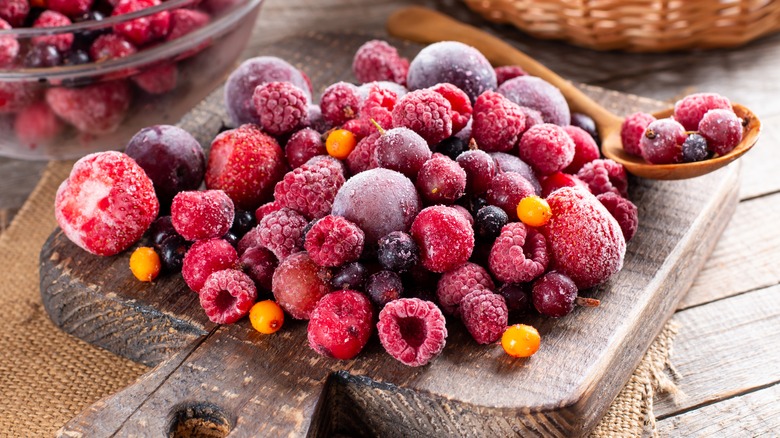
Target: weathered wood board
[232,378]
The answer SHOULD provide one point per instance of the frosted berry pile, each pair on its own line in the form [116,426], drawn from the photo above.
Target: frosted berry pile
[437,192]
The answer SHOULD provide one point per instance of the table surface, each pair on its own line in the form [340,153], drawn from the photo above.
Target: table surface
[726,353]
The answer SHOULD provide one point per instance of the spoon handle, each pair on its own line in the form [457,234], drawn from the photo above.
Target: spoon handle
[424,25]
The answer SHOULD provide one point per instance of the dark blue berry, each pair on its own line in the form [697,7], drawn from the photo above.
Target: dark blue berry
[231,238]
[172,252]
[85,38]
[42,56]
[77,57]
[161,229]
[694,148]
[383,287]
[489,221]
[307,228]
[452,147]
[587,124]
[243,221]
[397,251]
[350,276]
[474,204]
[517,297]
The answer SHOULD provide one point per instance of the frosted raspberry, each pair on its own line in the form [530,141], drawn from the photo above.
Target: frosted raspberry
[281,107]
[519,254]
[360,127]
[585,241]
[551,183]
[310,189]
[14,11]
[445,238]
[623,210]
[456,284]
[378,106]
[142,30]
[480,169]
[227,169]
[396,88]
[282,232]
[106,204]
[9,46]
[159,79]
[202,215]
[722,129]
[204,258]
[184,21]
[455,63]
[441,180]
[62,41]
[662,142]
[497,123]
[363,157]
[299,283]
[302,146]
[485,316]
[377,60]
[227,296]
[95,109]
[341,324]
[259,264]
[340,102]
[334,164]
[585,148]
[425,112]
[37,125]
[334,241]
[690,109]
[507,190]
[507,72]
[604,175]
[71,8]
[111,46]
[547,148]
[632,130]
[539,95]
[460,103]
[411,330]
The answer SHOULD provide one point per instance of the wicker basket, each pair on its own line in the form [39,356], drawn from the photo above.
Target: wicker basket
[638,25]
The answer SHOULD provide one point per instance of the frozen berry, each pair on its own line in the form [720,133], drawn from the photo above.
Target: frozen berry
[14,11]
[298,283]
[376,108]
[533,211]
[623,210]
[587,124]
[266,317]
[474,203]
[202,215]
[397,252]
[95,109]
[722,129]
[37,125]
[507,72]
[425,112]
[551,183]
[507,190]
[302,146]
[77,57]
[465,213]
[690,109]
[489,222]
[441,180]
[517,297]
[243,221]
[159,79]
[540,95]
[111,46]
[259,263]
[50,18]
[42,56]
[402,150]
[204,258]
[340,143]
[227,296]
[340,102]
[694,148]
[350,276]
[510,163]
[377,60]
[71,8]
[459,282]
[383,287]
[459,102]
[172,252]
[145,29]
[106,204]
[9,46]
[480,169]
[585,148]
[334,241]
[547,148]
[398,89]
[310,189]
[532,117]
[315,119]
[452,147]
[341,324]
[662,142]
[15,96]
[520,340]
[454,63]
[281,107]
[485,316]
[161,229]
[632,130]
[282,232]
[519,254]
[184,21]
[411,330]
[266,209]
[444,236]
[553,294]
[145,264]
[497,123]
[604,175]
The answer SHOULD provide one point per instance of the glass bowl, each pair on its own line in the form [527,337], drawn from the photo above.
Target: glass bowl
[80,105]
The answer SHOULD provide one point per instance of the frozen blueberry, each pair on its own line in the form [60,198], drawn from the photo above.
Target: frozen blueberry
[694,148]
[489,221]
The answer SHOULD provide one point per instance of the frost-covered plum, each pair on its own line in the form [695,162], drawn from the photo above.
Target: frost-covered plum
[457,63]
[402,150]
[538,94]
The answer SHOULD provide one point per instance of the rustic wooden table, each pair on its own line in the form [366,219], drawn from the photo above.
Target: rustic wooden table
[726,353]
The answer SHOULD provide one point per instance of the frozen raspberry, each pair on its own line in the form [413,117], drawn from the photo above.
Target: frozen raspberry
[396,88]
[444,236]
[14,11]
[340,102]
[298,283]
[507,72]
[554,295]
[159,79]
[310,189]
[456,284]
[632,130]
[37,125]
[519,254]
[547,148]
[227,169]
[341,324]
[142,30]
[585,148]
[411,330]
[49,18]
[282,232]
[95,109]
[480,169]
[184,21]
[379,201]
[202,215]
[363,157]
[690,109]
[497,123]
[111,46]
[106,204]
[460,103]
[259,264]
[302,146]
[377,60]
[507,190]
[362,128]
[540,95]
[441,180]
[722,129]
[623,210]
[585,241]
[604,175]
[695,148]
[402,150]
[333,164]
[511,163]
[242,82]
[281,107]
[425,112]
[266,209]
[206,257]
[377,107]
[9,46]
[383,287]
[551,183]
[71,8]
[517,297]
[227,296]
[485,316]
[454,63]
[662,142]
[334,241]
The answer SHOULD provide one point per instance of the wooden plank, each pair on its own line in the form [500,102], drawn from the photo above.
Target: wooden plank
[760,175]
[753,414]
[725,348]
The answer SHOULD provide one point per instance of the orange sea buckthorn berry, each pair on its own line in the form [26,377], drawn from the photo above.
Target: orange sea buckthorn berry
[266,317]
[520,340]
[340,143]
[145,264]
[534,211]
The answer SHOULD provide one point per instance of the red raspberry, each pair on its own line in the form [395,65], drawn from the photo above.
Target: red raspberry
[498,122]
[299,283]
[95,109]
[37,125]
[227,296]
[145,29]
[722,129]
[184,21]
[282,232]
[551,183]
[340,102]
[111,46]
[623,210]
[507,190]
[259,264]
[15,96]
[460,103]
[411,330]
[202,215]
[14,11]
[281,107]
[456,284]
[62,41]
[363,157]
[71,8]
[9,46]
[228,166]
[585,148]
[334,241]
[547,148]
[507,72]
[519,254]
[444,236]
[302,146]
[310,189]
[106,204]
[585,241]
[632,130]
[690,109]
[377,60]
[485,315]
[441,180]
[159,79]
[378,105]
[204,258]
[266,209]
[341,324]
[604,175]
[425,112]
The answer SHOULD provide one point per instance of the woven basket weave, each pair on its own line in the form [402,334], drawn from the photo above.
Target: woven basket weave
[638,25]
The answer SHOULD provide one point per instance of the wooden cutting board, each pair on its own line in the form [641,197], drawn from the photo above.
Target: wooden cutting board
[217,379]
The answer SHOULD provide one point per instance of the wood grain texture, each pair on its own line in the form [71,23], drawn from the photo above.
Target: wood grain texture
[760,176]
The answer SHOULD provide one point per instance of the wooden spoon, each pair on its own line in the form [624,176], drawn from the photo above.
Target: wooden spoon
[427,26]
